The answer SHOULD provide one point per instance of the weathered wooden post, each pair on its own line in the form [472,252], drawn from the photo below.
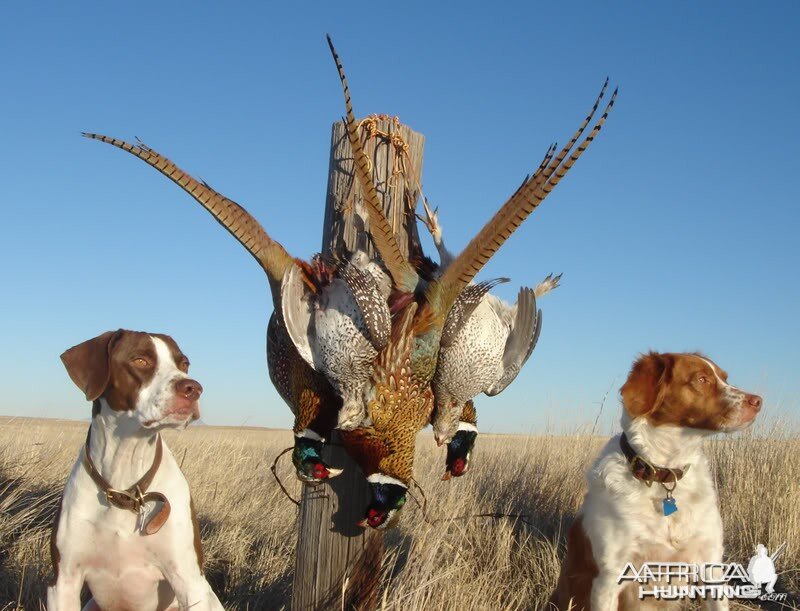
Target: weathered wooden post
[338,565]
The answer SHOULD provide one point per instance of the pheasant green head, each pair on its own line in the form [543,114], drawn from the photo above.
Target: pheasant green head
[310,467]
[388,496]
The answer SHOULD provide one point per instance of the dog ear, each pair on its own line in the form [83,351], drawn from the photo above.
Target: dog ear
[88,363]
[644,389]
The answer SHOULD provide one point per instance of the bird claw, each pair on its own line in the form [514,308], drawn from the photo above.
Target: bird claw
[431,220]
[550,283]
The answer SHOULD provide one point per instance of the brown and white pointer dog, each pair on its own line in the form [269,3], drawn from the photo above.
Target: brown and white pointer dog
[126,525]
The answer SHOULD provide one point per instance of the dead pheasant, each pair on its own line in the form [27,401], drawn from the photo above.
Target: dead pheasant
[403,399]
[481,351]
[330,321]
[338,327]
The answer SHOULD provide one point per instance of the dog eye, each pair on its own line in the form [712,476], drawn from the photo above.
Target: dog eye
[184,366]
[141,363]
[702,379]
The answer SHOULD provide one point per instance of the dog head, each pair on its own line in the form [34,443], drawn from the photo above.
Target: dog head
[687,390]
[143,374]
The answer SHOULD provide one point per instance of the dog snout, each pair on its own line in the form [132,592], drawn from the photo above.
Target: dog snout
[189,389]
[754,401]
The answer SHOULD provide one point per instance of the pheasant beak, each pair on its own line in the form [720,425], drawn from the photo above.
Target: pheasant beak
[447,475]
[376,518]
[334,472]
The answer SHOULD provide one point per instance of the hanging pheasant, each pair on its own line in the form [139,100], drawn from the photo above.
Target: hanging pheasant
[338,331]
[481,351]
[330,321]
[403,399]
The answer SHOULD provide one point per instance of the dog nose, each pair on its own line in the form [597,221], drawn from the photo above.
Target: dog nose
[754,401]
[188,388]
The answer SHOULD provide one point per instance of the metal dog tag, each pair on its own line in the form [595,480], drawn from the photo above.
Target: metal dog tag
[669,505]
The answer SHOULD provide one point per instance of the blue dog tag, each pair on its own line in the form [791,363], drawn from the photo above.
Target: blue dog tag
[669,506]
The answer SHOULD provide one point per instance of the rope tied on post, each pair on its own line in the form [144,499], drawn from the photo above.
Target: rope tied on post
[400,162]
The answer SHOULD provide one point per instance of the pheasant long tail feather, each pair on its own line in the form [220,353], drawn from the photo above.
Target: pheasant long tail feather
[548,166]
[518,207]
[564,167]
[403,275]
[240,223]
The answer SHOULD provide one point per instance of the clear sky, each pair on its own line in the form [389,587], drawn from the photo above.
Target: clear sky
[677,230]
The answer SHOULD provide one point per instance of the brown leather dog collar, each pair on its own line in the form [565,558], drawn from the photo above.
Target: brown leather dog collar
[133,498]
[646,472]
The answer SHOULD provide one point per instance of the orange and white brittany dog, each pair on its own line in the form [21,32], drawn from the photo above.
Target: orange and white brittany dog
[651,496]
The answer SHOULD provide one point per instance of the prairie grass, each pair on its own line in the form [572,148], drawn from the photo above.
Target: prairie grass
[248,526]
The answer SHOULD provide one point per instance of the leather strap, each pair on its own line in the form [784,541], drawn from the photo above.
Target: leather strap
[133,498]
[646,472]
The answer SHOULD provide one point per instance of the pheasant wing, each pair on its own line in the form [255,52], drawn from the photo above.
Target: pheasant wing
[521,341]
[374,309]
[464,306]
[296,311]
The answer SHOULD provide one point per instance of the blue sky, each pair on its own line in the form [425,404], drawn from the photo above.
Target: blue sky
[677,230]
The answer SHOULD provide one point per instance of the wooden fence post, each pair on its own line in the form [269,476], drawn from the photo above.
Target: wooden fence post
[338,565]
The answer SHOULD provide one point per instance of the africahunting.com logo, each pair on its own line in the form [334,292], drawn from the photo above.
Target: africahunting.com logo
[712,580]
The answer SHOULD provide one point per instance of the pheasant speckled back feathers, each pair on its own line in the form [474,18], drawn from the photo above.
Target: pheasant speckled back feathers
[464,306]
[373,306]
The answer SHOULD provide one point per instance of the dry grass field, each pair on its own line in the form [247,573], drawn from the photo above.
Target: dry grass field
[248,526]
